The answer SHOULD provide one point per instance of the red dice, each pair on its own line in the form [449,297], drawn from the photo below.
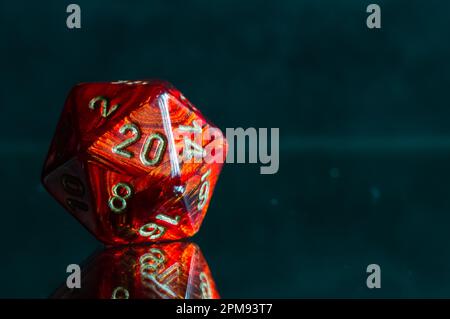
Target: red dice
[134,161]
[160,271]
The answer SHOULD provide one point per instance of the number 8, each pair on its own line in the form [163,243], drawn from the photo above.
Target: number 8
[122,199]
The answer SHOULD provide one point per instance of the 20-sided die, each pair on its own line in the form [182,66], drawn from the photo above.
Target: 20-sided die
[134,161]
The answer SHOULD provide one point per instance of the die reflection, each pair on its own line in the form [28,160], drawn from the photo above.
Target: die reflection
[160,271]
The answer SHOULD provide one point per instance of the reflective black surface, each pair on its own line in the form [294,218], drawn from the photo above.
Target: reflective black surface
[312,237]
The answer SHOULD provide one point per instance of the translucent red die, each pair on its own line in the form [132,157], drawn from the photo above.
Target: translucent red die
[159,271]
[134,161]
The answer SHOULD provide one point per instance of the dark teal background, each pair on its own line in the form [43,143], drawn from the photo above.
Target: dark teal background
[363,117]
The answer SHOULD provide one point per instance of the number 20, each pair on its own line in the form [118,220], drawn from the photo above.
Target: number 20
[120,149]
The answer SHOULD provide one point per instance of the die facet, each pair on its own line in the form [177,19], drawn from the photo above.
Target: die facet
[160,271]
[134,161]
